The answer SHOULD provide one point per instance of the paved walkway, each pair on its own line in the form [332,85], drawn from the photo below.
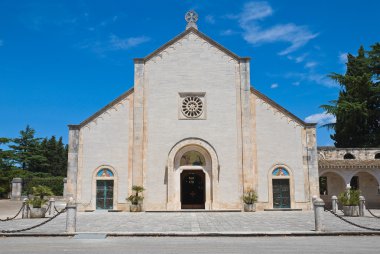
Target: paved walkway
[191,222]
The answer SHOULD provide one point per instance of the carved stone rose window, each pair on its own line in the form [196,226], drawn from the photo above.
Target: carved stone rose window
[192,106]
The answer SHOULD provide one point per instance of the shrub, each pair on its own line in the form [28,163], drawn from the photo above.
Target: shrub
[250,197]
[39,194]
[349,198]
[135,198]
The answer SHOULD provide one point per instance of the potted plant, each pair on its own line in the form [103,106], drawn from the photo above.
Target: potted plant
[39,193]
[249,199]
[350,202]
[136,199]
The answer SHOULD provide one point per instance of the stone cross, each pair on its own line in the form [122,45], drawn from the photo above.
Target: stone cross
[191,18]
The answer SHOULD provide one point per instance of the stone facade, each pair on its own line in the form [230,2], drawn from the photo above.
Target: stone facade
[350,167]
[242,136]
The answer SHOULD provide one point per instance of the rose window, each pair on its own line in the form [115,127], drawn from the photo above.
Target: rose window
[192,106]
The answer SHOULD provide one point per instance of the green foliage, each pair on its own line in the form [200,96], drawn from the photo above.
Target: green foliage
[250,197]
[39,193]
[357,109]
[54,183]
[136,198]
[47,155]
[349,198]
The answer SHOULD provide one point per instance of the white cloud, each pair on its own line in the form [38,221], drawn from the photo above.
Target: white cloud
[210,19]
[274,85]
[227,32]
[342,58]
[311,65]
[254,33]
[311,76]
[117,43]
[321,118]
[1,43]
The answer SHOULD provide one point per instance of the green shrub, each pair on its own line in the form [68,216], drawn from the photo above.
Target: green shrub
[349,198]
[55,183]
[250,197]
[39,193]
[135,198]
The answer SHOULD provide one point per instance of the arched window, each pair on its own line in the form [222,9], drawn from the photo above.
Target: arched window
[192,158]
[348,156]
[280,172]
[377,156]
[104,172]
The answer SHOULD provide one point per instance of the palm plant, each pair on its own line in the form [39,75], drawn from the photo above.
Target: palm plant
[136,198]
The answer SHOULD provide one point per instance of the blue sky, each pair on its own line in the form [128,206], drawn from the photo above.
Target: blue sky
[61,61]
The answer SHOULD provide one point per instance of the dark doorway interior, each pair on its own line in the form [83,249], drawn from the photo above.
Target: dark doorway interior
[281,193]
[104,194]
[193,189]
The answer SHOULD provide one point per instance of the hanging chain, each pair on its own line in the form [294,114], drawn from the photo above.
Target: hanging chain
[350,222]
[11,218]
[35,226]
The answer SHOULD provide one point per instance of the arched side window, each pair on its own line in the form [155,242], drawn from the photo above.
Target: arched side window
[377,156]
[104,172]
[192,158]
[348,156]
[280,172]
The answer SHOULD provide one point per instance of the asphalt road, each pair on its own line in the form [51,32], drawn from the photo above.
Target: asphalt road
[183,245]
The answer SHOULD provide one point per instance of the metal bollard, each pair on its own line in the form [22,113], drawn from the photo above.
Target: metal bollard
[361,206]
[51,205]
[334,203]
[71,217]
[318,211]
[25,208]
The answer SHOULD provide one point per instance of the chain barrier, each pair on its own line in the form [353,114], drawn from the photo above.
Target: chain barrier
[375,216]
[350,222]
[14,217]
[35,226]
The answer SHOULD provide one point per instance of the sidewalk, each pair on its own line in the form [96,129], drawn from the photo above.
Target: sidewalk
[194,223]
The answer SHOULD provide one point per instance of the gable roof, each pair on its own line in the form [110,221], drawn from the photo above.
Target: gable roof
[102,110]
[182,35]
[281,109]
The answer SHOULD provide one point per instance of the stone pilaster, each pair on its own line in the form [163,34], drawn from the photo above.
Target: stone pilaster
[138,124]
[72,164]
[311,145]
[246,123]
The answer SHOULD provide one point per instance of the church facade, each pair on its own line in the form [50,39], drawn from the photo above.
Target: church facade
[196,135]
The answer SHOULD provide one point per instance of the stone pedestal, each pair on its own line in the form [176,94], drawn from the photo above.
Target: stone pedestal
[334,203]
[16,189]
[71,218]
[318,213]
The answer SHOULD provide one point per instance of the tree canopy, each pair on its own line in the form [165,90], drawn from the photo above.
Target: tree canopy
[357,109]
[33,154]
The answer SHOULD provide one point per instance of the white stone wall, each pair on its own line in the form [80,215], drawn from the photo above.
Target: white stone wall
[104,142]
[191,65]
[279,142]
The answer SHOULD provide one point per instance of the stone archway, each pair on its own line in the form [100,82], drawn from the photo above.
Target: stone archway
[175,169]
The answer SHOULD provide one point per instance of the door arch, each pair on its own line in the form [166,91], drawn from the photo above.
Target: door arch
[209,166]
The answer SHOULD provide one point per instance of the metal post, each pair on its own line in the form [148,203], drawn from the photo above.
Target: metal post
[334,203]
[318,211]
[51,205]
[71,217]
[25,208]
[361,206]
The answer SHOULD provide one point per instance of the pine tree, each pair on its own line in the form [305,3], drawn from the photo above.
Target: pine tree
[27,151]
[357,108]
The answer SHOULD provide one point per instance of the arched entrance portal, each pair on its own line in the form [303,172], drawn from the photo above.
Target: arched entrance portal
[193,188]
[104,189]
[193,170]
